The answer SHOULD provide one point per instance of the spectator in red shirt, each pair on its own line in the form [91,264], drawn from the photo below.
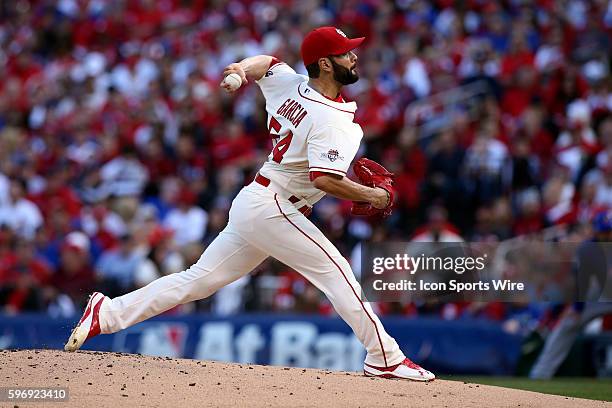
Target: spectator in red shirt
[560,88]
[22,278]
[233,146]
[540,140]
[58,193]
[438,229]
[518,56]
[529,215]
[75,275]
[521,91]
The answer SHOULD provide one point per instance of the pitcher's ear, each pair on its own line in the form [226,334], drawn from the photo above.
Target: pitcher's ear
[325,64]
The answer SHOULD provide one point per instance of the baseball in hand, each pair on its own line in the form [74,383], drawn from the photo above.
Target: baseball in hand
[233,80]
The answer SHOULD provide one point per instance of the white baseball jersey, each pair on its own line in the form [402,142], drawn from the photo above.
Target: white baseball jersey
[310,132]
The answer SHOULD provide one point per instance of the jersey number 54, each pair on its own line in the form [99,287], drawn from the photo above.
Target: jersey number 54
[281,144]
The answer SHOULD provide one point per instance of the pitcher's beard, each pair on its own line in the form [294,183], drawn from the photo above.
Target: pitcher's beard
[344,75]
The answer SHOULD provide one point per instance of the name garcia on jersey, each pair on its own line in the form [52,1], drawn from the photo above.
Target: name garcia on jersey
[292,111]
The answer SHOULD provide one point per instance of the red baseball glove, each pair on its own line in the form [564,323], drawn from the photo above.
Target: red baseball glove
[372,174]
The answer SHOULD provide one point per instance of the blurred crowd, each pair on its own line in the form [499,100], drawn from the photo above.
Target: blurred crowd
[120,155]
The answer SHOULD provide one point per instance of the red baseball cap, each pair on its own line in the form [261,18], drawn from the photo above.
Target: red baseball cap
[324,41]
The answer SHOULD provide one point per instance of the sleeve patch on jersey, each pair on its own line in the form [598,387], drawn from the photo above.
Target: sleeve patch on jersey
[332,155]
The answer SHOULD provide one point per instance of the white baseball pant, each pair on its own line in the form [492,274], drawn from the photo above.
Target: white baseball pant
[261,224]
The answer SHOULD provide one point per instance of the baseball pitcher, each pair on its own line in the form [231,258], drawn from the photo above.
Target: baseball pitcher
[315,141]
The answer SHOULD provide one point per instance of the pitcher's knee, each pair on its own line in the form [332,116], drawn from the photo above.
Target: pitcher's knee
[195,279]
[349,308]
[343,264]
[203,283]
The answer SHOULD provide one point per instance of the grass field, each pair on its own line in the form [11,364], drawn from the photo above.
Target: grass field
[590,388]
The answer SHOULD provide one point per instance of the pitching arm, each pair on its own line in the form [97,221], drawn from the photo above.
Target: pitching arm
[253,68]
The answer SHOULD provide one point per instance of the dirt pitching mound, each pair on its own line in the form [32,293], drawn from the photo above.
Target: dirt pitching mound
[97,379]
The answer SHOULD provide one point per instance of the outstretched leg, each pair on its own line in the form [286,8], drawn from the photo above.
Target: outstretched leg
[226,259]
[297,242]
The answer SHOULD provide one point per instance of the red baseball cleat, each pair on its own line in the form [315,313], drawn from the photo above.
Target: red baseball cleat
[405,370]
[89,324]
